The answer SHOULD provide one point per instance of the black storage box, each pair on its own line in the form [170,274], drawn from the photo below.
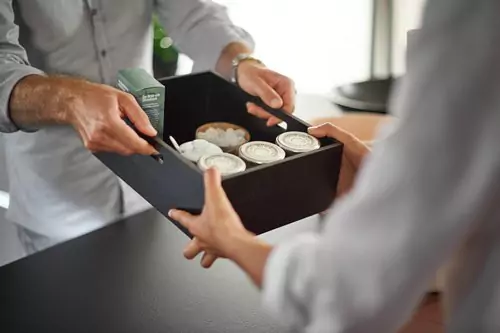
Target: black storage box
[265,197]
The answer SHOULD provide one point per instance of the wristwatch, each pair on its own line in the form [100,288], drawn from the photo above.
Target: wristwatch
[236,63]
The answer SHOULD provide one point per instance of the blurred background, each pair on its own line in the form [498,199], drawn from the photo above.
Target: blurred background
[321,44]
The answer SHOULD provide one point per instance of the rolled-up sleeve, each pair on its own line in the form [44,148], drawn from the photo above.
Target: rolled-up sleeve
[200,29]
[14,63]
[428,184]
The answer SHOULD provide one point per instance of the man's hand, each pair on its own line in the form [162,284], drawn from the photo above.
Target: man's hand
[98,116]
[354,152]
[96,112]
[218,229]
[276,90]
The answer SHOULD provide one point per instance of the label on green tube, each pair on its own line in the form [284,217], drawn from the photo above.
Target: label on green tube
[148,92]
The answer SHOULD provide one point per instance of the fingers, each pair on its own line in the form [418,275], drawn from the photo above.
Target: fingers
[214,193]
[136,115]
[273,121]
[329,130]
[261,113]
[267,94]
[184,218]
[284,87]
[192,249]
[208,260]
[114,135]
[130,139]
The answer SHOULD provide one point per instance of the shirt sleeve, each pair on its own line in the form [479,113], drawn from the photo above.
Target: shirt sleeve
[200,29]
[431,180]
[14,63]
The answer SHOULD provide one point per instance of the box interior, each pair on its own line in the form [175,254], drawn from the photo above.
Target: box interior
[196,100]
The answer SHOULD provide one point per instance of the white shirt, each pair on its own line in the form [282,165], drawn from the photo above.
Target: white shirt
[57,187]
[428,194]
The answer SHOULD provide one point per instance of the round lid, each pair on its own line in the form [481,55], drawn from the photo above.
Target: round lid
[260,152]
[297,142]
[194,150]
[227,164]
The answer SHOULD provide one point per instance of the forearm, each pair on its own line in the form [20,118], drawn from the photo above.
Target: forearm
[251,254]
[38,100]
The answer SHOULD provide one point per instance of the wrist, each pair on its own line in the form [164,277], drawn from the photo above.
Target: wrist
[251,254]
[239,246]
[229,53]
[69,102]
[231,244]
[241,61]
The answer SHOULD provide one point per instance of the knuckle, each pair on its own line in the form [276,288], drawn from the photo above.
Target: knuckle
[90,145]
[96,136]
[128,97]
[127,152]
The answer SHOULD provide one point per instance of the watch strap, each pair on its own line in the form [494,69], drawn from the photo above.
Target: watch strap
[236,63]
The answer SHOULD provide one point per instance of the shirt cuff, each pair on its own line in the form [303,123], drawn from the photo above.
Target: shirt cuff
[10,75]
[280,275]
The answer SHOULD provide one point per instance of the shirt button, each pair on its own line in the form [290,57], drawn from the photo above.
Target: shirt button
[103,53]
[93,12]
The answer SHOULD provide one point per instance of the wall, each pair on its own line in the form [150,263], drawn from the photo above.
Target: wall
[407,16]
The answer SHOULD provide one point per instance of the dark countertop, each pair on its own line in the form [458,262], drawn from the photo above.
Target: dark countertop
[131,277]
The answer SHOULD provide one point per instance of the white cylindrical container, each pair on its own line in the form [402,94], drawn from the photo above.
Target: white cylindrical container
[227,164]
[261,152]
[297,142]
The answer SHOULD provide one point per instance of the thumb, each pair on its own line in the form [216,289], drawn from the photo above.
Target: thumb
[267,94]
[214,193]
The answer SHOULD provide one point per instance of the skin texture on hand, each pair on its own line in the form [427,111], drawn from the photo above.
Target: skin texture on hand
[218,232]
[352,158]
[276,90]
[218,223]
[96,112]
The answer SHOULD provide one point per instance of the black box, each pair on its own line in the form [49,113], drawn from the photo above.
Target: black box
[267,196]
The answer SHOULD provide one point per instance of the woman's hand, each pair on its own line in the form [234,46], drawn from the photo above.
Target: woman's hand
[218,230]
[354,152]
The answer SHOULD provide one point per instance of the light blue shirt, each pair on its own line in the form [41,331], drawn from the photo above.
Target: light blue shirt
[57,188]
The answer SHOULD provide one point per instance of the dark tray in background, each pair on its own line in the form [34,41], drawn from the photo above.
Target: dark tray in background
[266,197]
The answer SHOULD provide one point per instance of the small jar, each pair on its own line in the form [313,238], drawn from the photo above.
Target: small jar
[297,142]
[194,150]
[227,164]
[261,152]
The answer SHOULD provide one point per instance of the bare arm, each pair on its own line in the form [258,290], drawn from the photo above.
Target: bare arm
[96,111]
[38,100]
